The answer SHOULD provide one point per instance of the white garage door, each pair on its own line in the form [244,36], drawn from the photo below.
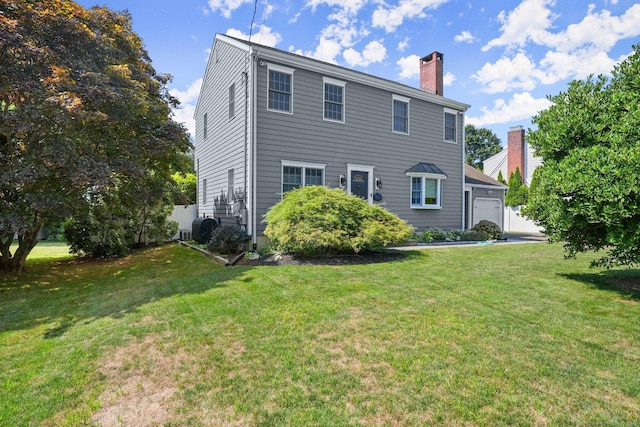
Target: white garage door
[489,209]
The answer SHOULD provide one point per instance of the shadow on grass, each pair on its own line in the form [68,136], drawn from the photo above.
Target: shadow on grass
[61,294]
[625,282]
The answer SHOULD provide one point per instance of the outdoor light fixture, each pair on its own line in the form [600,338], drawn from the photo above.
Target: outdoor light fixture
[378,183]
[343,181]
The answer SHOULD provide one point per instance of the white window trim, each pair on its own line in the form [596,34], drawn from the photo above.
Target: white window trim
[232,101]
[444,125]
[438,179]
[280,69]
[407,101]
[302,165]
[364,168]
[334,82]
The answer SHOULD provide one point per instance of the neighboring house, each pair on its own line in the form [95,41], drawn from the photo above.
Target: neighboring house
[518,154]
[484,198]
[268,121]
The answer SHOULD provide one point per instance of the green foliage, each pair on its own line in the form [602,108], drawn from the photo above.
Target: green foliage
[81,111]
[480,144]
[518,193]
[317,220]
[491,229]
[501,178]
[132,214]
[185,188]
[228,240]
[586,193]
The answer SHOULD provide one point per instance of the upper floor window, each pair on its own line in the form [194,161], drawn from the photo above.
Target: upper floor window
[400,114]
[204,126]
[450,126]
[280,88]
[333,100]
[232,101]
[296,175]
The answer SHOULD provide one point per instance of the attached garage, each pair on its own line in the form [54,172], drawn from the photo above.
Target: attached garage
[484,198]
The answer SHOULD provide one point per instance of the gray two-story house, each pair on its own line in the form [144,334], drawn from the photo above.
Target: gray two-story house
[268,121]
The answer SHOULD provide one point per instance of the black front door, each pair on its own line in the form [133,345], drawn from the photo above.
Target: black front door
[360,184]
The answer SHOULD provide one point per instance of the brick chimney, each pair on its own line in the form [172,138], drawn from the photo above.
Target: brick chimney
[515,151]
[431,73]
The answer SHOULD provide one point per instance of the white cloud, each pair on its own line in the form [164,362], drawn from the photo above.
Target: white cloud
[348,6]
[520,106]
[464,37]
[263,35]
[188,98]
[373,52]
[529,21]
[448,79]
[226,7]
[326,50]
[392,18]
[189,95]
[409,67]
[403,44]
[508,74]
[600,30]
[294,18]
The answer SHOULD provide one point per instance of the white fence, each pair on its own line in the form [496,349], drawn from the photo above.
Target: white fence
[184,216]
[515,222]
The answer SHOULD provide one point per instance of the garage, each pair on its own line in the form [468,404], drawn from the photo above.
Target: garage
[489,209]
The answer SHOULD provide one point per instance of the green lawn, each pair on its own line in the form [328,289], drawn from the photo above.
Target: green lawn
[487,335]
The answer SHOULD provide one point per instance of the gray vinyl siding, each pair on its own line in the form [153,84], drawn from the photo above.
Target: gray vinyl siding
[224,147]
[365,138]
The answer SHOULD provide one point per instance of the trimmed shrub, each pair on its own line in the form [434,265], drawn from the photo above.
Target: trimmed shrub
[317,220]
[227,240]
[491,229]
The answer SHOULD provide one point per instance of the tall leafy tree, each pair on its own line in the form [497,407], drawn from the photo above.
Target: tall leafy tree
[587,193]
[81,111]
[480,144]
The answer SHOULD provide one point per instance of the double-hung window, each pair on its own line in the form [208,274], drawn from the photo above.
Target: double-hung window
[296,175]
[400,114]
[450,126]
[333,99]
[426,186]
[280,89]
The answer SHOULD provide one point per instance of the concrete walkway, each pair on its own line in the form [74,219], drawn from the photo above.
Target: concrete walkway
[512,239]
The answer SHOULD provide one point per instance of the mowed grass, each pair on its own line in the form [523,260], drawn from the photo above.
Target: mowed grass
[490,335]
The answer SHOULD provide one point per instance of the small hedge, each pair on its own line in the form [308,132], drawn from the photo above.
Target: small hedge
[228,240]
[491,229]
[317,220]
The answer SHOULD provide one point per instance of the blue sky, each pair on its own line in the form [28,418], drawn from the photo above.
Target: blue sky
[503,57]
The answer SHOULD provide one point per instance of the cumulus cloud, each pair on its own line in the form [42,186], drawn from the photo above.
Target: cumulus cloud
[509,74]
[521,106]
[226,7]
[373,52]
[574,53]
[529,21]
[464,37]
[448,79]
[409,67]
[263,35]
[188,98]
[391,18]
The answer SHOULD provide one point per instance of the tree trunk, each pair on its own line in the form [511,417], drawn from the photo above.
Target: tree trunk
[26,242]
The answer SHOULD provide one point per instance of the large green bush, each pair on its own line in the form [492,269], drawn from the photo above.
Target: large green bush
[318,220]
